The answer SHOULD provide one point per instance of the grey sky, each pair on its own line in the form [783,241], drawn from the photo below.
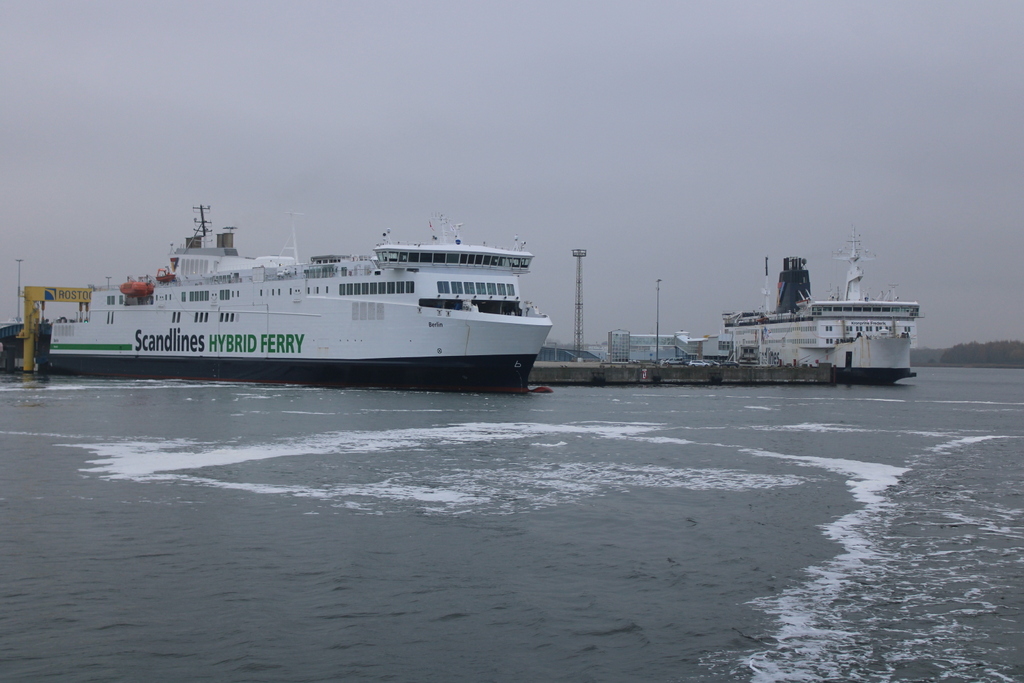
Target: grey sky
[681,141]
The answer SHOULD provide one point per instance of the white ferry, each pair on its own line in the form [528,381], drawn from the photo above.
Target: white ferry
[441,315]
[867,340]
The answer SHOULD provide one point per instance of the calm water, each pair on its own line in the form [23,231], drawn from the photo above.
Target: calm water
[171,531]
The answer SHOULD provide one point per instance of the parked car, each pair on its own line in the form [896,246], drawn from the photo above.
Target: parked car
[699,364]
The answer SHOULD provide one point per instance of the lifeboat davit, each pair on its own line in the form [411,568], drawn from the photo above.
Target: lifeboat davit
[164,275]
[137,288]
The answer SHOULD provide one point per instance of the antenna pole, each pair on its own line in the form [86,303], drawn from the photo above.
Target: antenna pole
[578,336]
[657,322]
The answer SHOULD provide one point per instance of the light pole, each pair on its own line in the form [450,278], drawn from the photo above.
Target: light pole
[578,254]
[108,282]
[17,315]
[657,322]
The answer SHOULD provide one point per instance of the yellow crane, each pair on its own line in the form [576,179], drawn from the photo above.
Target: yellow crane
[35,306]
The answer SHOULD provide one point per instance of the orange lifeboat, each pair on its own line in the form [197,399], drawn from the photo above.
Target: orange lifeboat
[136,288]
[164,275]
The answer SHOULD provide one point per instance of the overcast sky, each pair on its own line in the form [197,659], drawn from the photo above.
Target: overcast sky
[674,140]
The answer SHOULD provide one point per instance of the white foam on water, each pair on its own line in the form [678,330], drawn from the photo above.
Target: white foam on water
[981,403]
[809,640]
[962,441]
[508,488]
[139,459]
[759,408]
[809,427]
[908,591]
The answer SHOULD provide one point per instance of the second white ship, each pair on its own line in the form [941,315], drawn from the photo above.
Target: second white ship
[867,340]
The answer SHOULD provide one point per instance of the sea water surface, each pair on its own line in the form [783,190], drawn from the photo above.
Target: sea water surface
[171,531]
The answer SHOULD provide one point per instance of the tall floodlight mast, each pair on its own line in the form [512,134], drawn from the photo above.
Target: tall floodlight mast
[578,337]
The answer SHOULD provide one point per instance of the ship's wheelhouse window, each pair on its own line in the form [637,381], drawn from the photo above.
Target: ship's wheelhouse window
[511,290]
[452,258]
[400,287]
[487,259]
[410,287]
[443,288]
[469,287]
[365,288]
[456,287]
[403,257]
[501,289]
[491,289]
[479,259]
[440,257]
[391,287]
[481,288]
[464,258]
[373,288]
[414,257]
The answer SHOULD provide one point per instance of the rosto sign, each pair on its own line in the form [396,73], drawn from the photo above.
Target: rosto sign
[72,294]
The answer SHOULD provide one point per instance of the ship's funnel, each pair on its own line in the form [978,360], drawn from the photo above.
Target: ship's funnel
[794,284]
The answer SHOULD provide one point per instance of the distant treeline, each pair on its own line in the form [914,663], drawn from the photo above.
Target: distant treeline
[974,353]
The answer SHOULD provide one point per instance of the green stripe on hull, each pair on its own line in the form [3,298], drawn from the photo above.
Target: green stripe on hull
[91,347]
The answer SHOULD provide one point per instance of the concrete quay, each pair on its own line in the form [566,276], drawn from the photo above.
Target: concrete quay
[625,374]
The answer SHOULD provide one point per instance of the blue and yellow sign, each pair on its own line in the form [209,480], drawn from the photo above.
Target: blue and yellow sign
[72,294]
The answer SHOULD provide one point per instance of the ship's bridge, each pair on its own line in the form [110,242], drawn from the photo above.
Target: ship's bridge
[452,255]
[867,308]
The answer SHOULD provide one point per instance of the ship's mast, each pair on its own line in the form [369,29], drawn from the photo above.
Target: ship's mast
[201,225]
[854,274]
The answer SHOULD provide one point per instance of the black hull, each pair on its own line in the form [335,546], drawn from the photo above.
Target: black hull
[872,375]
[474,373]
